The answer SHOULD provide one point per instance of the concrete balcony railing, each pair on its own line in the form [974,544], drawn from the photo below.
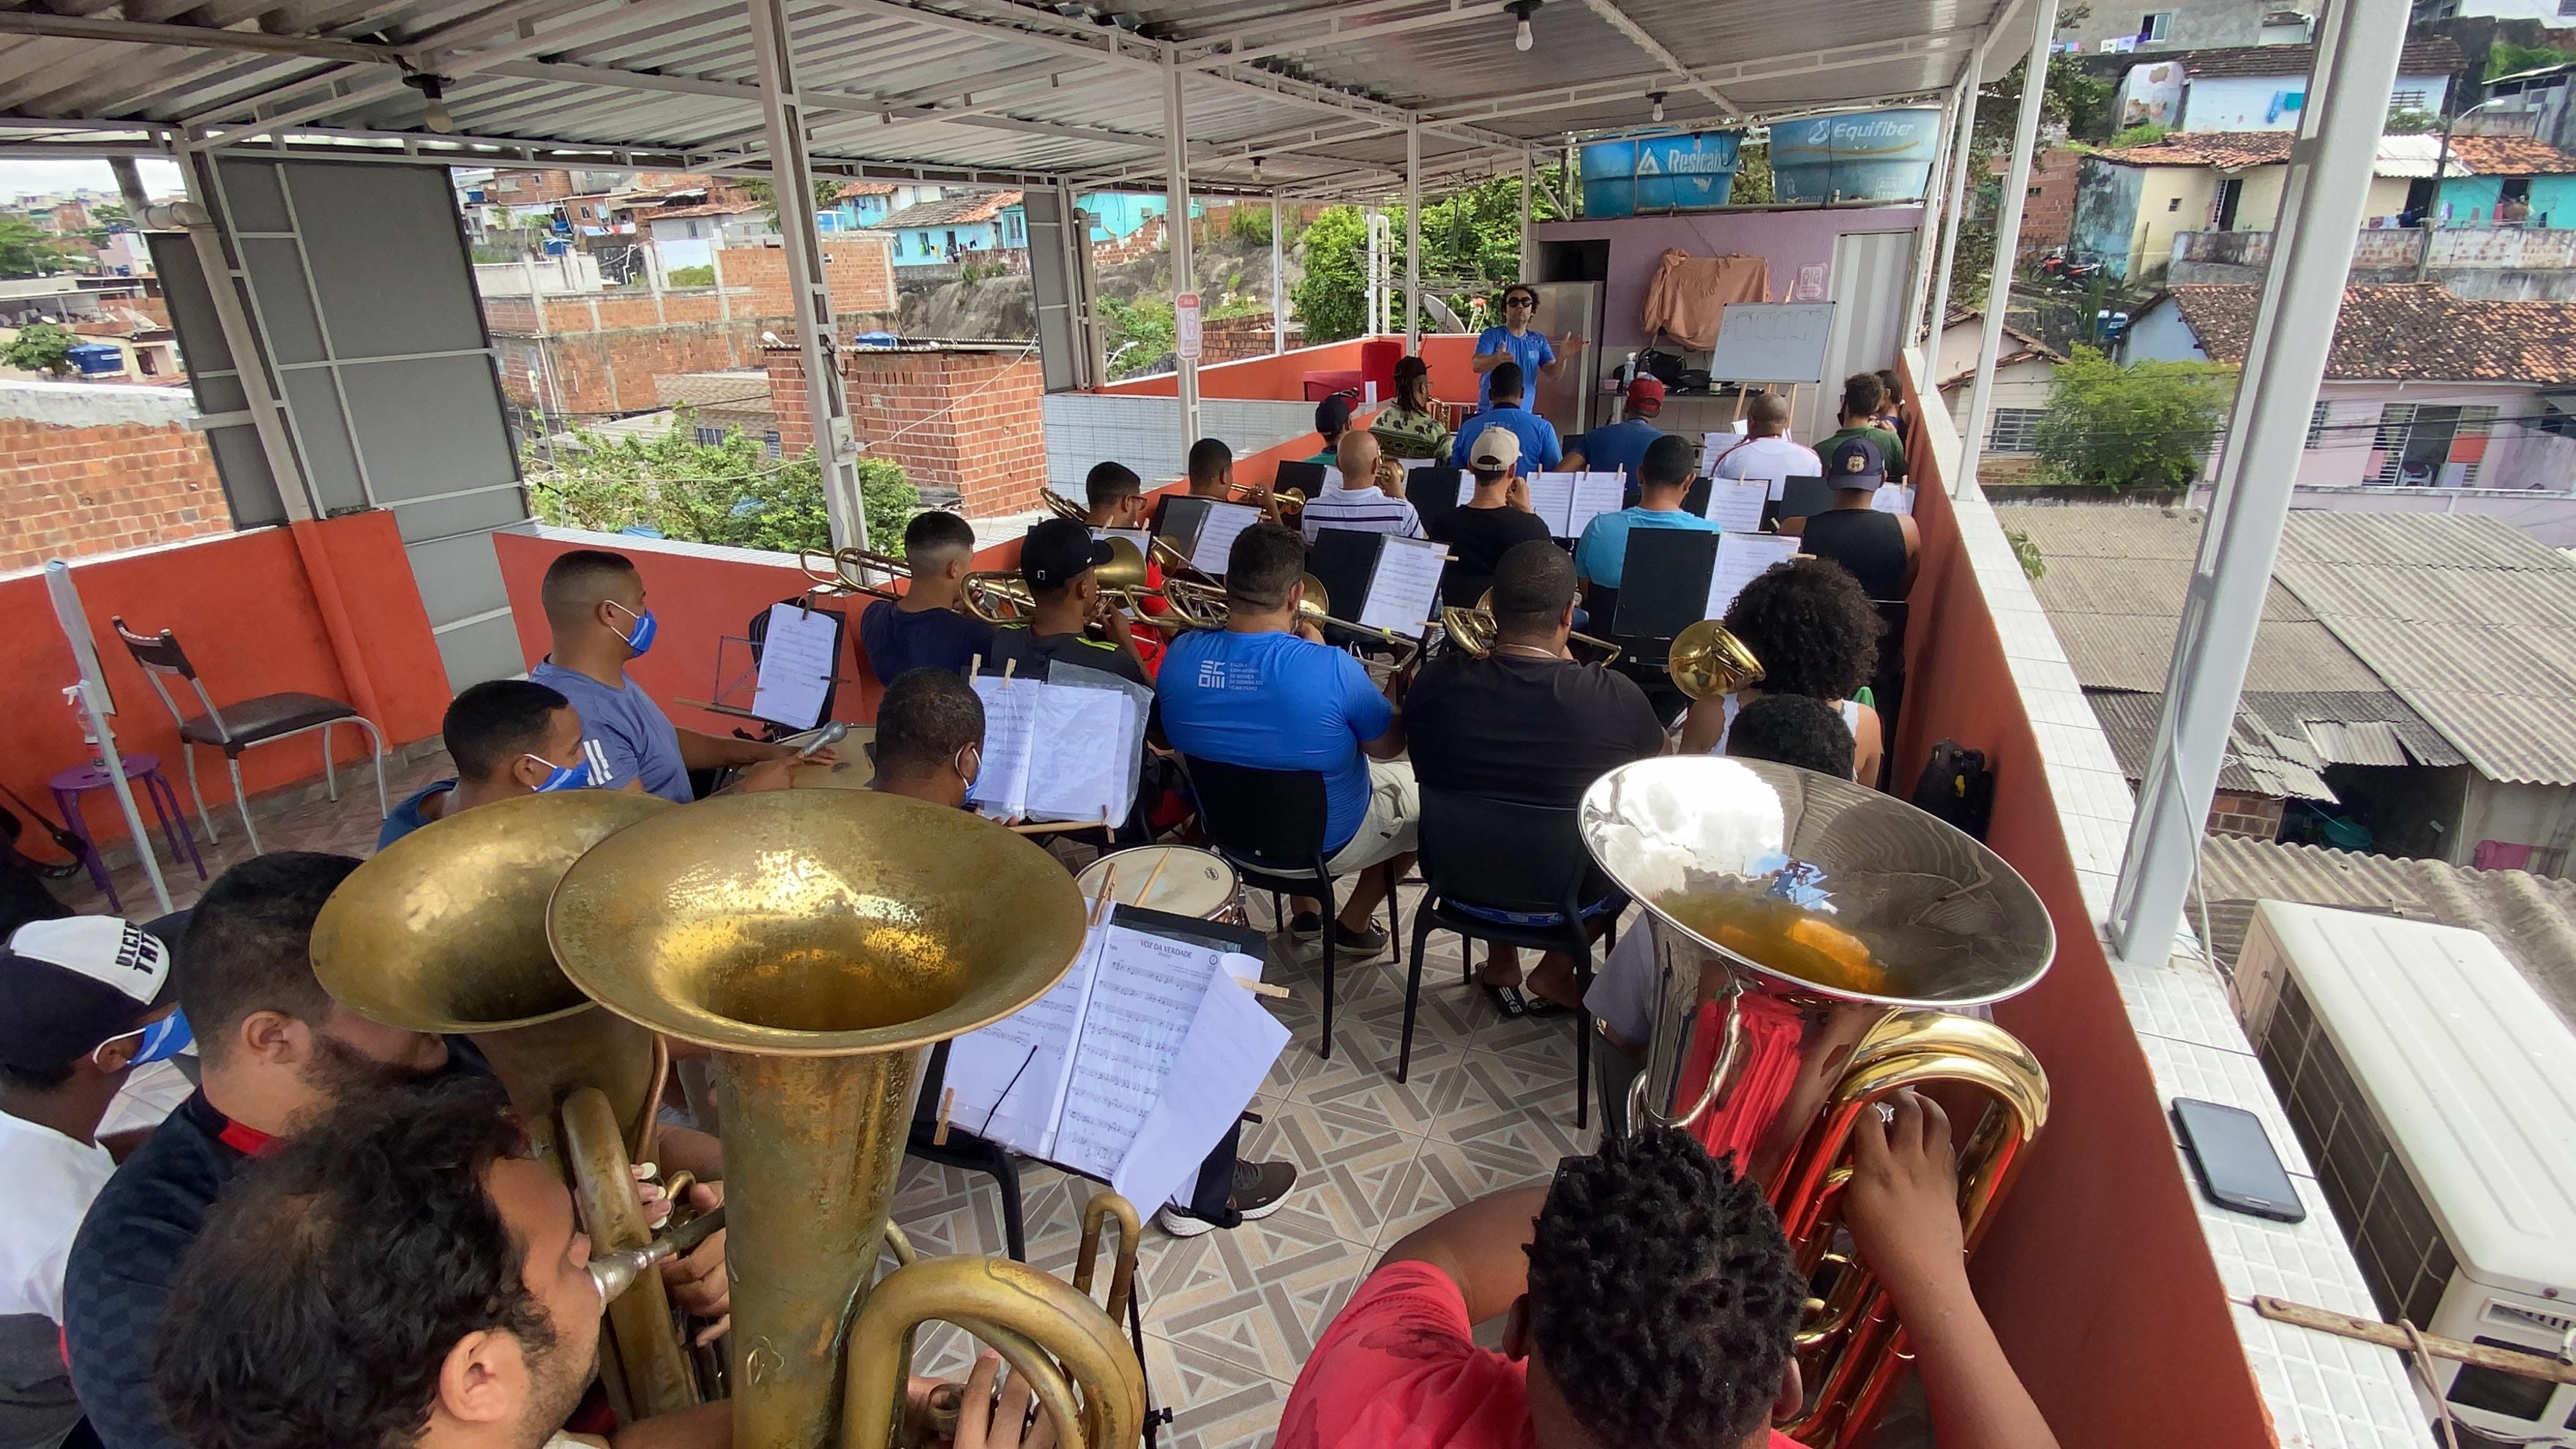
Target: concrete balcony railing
[2499,262]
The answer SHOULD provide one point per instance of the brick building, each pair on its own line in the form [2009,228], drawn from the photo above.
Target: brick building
[596,354]
[88,469]
[2048,208]
[964,416]
[1225,339]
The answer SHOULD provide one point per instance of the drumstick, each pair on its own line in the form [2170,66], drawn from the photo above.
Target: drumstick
[1108,895]
[1147,893]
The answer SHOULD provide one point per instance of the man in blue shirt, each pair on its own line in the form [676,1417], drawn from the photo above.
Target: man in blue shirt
[1540,449]
[1661,482]
[1623,444]
[509,737]
[1515,343]
[595,609]
[1267,692]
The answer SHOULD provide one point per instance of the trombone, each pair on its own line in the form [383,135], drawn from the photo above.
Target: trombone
[1000,597]
[1472,630]
[849,569]
[1204,606]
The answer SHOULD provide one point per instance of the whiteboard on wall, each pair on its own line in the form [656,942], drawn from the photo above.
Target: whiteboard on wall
[1772,342]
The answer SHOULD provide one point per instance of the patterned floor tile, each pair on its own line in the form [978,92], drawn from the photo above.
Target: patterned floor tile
[1347,1158]
[1216,1403]
[1444,1175]
[1257,1296]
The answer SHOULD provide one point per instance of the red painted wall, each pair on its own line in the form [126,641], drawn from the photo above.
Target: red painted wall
[245,608]
[1283,375]
[2096,1275]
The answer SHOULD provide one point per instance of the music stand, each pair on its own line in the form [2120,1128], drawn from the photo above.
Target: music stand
[1802,497]
[1663,586]
[1433,492]
[1695,502]
[1343,560]
[1308,477]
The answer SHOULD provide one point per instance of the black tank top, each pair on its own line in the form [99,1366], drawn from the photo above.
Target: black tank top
[1869,543]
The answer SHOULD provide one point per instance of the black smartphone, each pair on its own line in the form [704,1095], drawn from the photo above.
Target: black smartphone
[2233,1157]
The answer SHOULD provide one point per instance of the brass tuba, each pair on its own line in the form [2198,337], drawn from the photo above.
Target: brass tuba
[1809,937]
[819,942]
[445,931]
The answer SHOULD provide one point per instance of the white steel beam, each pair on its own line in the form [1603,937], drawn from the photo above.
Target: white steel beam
[1529,181]
[1656,51]
[1927,236]
[1176,226]
[791,188]
[1412,239]
[1953,211]
[2322,200]
[1278,281]
[1291,33]
[1783,67]
[2007,250]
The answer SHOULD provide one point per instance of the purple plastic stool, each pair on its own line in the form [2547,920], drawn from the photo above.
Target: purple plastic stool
[79,780]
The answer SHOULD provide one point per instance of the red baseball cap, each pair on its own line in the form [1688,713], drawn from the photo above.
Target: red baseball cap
[1645,389]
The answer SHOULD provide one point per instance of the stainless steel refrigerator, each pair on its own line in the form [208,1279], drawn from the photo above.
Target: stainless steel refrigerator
[1567,398]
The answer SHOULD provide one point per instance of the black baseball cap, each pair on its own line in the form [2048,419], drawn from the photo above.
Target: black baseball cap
[1333,414]
[1059,550]
[75,982]
[1855,463]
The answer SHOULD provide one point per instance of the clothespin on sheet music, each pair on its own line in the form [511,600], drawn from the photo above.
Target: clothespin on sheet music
[1260,988]
[947,1101]
[1008,667]
[974,665]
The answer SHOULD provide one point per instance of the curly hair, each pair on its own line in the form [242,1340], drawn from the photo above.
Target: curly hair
[1662,1295]
[334,1275]
[1812,627]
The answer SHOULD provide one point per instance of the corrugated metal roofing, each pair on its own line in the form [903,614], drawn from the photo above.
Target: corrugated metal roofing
[2531,919]
[2258,761]
[2376,715]
[2356,742]
[1013,92]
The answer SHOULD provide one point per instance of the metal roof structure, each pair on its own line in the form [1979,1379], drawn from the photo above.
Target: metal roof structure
[2531,919]
[2467,620]
[1298,97]
[2259,761]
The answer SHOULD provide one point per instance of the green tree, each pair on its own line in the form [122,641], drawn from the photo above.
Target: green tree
[827,189]
[2506,58]
[1331,299]
[26,251]
[2145,425]
[41,347]
[2412,123]
[101,217]
[1471,244]
[1752,178]
[729,492]
[1141,335]
[691,276]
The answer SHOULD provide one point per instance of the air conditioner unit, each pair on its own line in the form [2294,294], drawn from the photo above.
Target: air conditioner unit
[2435,1093]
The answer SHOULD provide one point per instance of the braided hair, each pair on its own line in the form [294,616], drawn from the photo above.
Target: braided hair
[1662,1295]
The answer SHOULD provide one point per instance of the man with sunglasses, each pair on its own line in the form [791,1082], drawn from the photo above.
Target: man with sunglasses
[1514,342]
[90,999]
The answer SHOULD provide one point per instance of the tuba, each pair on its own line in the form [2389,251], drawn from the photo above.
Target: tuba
[819,942]
[1810,938]
[445,931]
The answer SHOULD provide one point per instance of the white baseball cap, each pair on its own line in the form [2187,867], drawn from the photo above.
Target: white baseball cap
[1495,449]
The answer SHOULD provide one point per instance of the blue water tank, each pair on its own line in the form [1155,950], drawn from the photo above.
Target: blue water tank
[1865,156]
[98,359]
[1659,174]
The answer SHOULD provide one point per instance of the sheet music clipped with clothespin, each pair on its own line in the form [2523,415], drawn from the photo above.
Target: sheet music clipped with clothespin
[1736,507]
[1566,502]
[1893,498]
[1055,751]
[1742,558]
[796,662]
[1083,1076]
[1225,522]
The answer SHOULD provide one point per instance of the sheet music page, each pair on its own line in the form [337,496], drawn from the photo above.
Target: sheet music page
[1404,593]
[1594,494]
[1216,540]
[1742,558]
[1711,445]
[1142,538]
[1551,496]
[1144,997]
[1228,1050]
[1893,498]
[1001,786]
[1081,754]
[1010,1077]
[1466,487]
[1410,464]
[795,666]
[1332,477]
[1737,507]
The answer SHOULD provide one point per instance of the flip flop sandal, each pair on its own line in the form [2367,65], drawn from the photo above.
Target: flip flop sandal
[1509,1001]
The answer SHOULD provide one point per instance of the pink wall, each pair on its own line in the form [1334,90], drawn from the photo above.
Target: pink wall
[2096,1276]
[1787,239]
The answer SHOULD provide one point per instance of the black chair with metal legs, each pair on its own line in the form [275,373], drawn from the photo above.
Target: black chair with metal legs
[1526,862]
[237,727]
[964,1149]
[1269,825]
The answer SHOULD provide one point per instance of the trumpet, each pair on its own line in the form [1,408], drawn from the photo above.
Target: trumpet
[1707,659]
[1283,506]
[848,571]
[1472,630]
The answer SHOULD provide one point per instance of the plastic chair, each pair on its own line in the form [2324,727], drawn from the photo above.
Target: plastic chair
[1527,860]
[1269,825]
[256,721]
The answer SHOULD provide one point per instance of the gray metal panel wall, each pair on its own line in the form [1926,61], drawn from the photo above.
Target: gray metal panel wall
[1059,244]
[360,288]
[249,489]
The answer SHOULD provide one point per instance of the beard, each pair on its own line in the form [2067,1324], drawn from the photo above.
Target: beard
[338,1070]
[556,1384]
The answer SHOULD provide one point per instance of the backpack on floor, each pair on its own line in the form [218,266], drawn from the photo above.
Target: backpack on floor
[1957,787]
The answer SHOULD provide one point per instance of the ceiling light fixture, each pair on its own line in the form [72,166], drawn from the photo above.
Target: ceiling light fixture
[1658,98]
[1523,9]
[433,112]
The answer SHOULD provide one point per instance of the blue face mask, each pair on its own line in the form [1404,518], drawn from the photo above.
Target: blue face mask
[641,638]
[162,1040]
[565,777]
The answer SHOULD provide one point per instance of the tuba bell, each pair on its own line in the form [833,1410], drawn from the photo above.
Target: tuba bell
[819,942]
[445,931]
[1811,939]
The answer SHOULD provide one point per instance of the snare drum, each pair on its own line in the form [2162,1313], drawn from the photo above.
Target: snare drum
[1190,882]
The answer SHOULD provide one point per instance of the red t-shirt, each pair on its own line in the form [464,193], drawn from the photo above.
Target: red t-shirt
[1399,1369]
